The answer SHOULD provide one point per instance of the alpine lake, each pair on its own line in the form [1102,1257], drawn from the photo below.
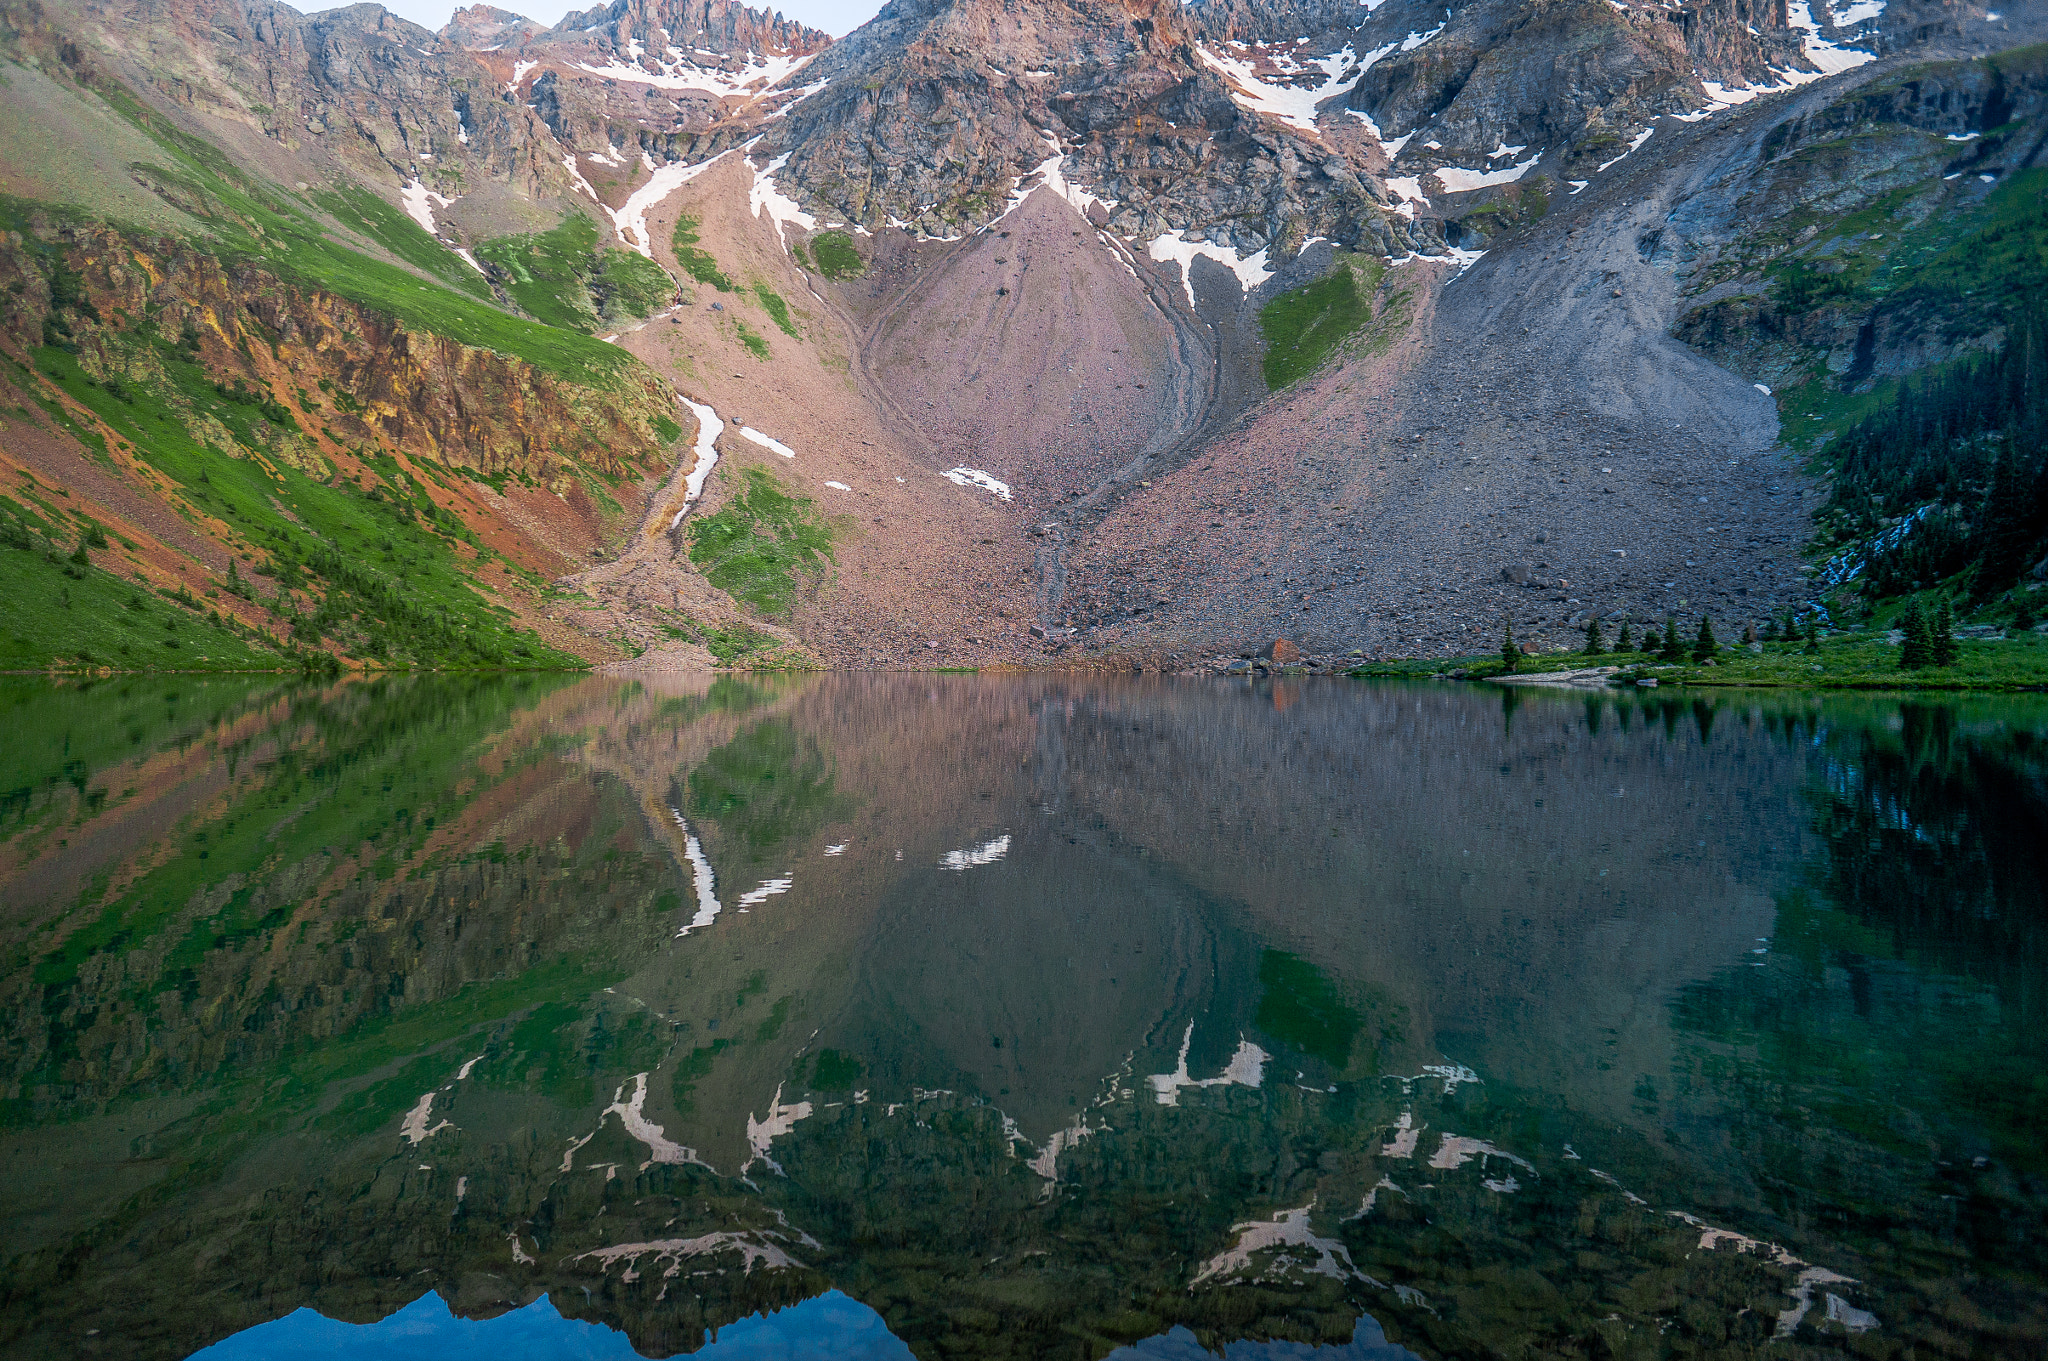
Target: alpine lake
[965,1016]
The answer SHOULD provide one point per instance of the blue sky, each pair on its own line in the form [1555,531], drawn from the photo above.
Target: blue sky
[837,17]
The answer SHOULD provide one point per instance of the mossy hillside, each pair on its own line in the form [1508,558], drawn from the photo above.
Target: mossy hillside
[64,613]
[256,223]
[1304,326]
[695,261]
[777,310]
[360,210]
[560,277]
[369,566]
[837,256]
[763,545]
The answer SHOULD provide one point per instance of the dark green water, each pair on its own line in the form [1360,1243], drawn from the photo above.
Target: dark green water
[1036,1017]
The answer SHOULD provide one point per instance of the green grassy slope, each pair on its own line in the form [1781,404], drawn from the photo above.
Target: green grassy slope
[374,569]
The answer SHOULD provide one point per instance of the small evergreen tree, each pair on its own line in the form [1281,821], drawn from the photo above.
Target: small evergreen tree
[1914,654]
[2023,613]
[1704,647]
[1942,647]
[1622,641]
[1813,632]
[1673,649]
[1509,653]
[1594,645]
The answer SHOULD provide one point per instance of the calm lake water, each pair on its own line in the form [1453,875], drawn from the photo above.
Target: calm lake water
[952,1016]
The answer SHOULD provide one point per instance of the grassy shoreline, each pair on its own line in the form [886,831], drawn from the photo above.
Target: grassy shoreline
[1844,661]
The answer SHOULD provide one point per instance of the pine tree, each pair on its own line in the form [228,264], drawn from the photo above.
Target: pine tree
[1623,642]
[1673,649]
[1914,654]
[1813,632]
[1594,645]
[1942,648]
[1704,647]
[1509,653]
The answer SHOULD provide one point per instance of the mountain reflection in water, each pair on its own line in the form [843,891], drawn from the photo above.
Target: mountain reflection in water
[1040,1017]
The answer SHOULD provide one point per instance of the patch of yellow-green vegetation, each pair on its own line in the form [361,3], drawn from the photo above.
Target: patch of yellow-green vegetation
[375,569]
[360,210]
[756,343]
[1304,326]
[1866,661]
[629,285]
[772,303]
[837,256]
[1850,660]
[697,262]
[762,546]
[254,223]
[1958,271]
[66,613]
[560,276]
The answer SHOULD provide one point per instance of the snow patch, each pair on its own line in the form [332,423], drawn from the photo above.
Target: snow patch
[675,1251]
[701,877]
[987,853]
[414,1128]
[975,477]
[1247,1068]
[1634,143]
[1832,58]
[1372,1198]
[782,210]
[419,204]
[769,888]
[1288,1229]
[1250,270]
[767,441]
[1406,1133]
[569,164]
[660,1148]
[1456,1150]
[705,450]
[1046,1162]
[760,1133]
[1456,180]
[680,73]
[519,70]
[630,221]
[1292,103]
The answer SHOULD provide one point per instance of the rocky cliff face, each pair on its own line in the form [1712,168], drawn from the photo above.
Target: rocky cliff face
[935,112]
[1903,196]
[378,380]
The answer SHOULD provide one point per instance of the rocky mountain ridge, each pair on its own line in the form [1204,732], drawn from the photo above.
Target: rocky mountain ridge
[1003,278]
